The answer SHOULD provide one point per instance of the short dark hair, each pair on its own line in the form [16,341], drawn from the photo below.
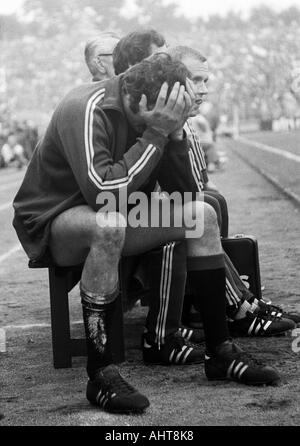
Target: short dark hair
[180,52]
[134,47]
[148,76]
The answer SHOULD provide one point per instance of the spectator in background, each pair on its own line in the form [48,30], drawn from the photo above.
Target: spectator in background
[205,134]
[98,55]
[13,151]
[3,138]
[211,113]
[28,137]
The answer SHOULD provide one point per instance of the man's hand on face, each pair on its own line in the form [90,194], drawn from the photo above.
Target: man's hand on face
[178,134]
[168,116]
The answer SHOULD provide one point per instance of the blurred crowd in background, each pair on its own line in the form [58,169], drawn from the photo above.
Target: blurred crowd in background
[17,140]
[254,62]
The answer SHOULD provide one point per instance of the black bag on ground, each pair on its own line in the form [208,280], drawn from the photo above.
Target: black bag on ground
[243,252]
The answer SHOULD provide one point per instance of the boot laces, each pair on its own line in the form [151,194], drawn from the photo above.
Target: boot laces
[269,308]
[248,359]
[239,355]
[119,385]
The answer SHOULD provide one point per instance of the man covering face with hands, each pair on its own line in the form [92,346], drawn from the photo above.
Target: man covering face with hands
[117,137]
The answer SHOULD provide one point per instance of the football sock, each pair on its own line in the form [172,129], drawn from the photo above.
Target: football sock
[209,291]
[97,323]
[254,305]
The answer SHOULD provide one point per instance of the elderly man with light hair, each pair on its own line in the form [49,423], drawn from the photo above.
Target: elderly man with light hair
[98,55]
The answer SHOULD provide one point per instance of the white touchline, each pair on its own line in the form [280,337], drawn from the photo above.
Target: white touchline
[2,340]
[41,325]
[3,331]
[23,327]
[266,148]
[12,251]
[5,206]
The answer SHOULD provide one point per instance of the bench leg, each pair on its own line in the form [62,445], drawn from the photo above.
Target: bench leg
[60,321]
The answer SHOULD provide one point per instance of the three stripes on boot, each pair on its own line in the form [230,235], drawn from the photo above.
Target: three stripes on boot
[236,370]
[180,357]
[259,326]
[186,333]
[103,397]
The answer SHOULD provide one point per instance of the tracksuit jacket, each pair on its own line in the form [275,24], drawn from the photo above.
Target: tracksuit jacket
[84,152]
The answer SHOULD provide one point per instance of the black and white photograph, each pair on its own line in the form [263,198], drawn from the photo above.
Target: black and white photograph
[149,215]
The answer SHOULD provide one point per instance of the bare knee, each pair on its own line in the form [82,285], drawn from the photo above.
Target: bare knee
[210,218]
[109,232]
[202,215]
[208,243]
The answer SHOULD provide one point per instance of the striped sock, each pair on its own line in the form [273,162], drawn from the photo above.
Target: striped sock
[254,305]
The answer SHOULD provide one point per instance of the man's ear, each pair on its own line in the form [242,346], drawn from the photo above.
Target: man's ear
[100,66]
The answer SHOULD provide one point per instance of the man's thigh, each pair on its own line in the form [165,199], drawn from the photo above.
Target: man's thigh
[170,226]
[71,232]
[70,235]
